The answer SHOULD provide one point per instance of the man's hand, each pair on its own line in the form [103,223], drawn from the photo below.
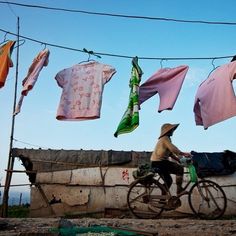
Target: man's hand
[185,161]
[186,154]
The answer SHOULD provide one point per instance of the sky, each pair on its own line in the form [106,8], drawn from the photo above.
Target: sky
[36,126]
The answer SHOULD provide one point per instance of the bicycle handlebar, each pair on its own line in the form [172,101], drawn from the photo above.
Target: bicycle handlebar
[186,161]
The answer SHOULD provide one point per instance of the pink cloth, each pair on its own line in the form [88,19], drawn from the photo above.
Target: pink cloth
[215,99]
[167,82]
[28,83]
[82,86]
[39,62]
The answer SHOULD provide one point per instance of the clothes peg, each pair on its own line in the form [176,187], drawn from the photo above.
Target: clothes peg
[91,53]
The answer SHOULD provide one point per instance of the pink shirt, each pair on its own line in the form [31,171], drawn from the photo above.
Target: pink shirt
[28,83]
[215,100]
[167,82]
[82,86]
[39,62]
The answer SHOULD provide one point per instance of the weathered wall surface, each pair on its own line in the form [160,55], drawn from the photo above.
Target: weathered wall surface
[83,181]
[228,183]
[81,190]
[93,190]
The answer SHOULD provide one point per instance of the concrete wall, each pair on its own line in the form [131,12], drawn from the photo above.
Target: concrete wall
[228,183]
[81,190]
[93,190]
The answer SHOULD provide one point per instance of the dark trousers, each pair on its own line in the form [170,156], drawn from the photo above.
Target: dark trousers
[165,168]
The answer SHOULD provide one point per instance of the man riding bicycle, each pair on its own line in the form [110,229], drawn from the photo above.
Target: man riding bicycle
[160,158]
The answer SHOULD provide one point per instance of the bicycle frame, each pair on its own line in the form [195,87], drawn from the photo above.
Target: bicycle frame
[149,196]
[168,189]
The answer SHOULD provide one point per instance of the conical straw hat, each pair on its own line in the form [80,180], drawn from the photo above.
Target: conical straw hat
[166,128]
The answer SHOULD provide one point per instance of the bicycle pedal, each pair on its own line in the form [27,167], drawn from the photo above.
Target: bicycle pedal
[168,208]
[145,199]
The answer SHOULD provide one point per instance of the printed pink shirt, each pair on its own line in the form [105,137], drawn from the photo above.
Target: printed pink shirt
[167,82]
[215,99]
[82,86]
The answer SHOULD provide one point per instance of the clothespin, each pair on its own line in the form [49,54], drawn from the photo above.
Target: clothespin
[91,53]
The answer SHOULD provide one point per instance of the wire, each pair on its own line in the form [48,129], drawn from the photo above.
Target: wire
[30,144]
[121,15]
[11,9]
[117,55]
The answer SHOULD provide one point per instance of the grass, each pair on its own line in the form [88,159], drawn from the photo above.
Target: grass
[18,211]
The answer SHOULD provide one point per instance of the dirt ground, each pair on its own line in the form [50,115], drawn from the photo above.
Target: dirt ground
[181,225]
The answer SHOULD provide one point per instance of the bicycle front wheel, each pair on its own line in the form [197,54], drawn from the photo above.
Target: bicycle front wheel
[146,200]
[207,200]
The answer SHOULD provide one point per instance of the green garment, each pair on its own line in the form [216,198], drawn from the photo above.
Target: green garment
[130,119]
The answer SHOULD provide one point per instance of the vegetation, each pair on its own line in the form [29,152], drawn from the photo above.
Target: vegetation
[21,211]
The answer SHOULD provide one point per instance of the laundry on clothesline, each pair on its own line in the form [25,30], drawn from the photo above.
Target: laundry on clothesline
[215,99]
[82,88]
[40,61]
[167,82]
[130,119]
[5,60]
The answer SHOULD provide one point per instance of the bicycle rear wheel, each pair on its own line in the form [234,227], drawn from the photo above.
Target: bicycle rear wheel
[145,200]
[207,200]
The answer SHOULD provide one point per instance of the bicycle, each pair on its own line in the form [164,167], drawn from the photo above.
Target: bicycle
[149,196]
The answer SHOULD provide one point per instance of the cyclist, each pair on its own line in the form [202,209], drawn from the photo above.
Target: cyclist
[162,154]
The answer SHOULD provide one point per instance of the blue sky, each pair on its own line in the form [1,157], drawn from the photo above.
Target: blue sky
[37,125]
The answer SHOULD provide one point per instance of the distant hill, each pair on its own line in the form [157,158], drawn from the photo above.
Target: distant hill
[14,197]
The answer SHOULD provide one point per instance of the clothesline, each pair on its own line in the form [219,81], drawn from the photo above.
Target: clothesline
[178,74]
[117,55]
[119,15]
[30,144]
[85,87]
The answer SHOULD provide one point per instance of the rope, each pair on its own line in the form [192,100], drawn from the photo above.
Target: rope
[120,15]
[118,55]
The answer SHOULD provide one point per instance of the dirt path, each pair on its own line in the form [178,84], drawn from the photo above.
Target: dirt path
[161,227]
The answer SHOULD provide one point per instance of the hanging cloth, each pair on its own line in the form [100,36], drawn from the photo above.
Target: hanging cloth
[5,61]
[215,100]
[41,60]
[82,86]
[130,119]
[167,82]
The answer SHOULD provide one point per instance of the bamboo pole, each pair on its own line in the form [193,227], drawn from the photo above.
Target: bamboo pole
[10,157]
[23,171]
[16,185]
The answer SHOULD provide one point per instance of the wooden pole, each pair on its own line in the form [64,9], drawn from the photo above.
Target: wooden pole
[23,171]
[20,201]
[10,157]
